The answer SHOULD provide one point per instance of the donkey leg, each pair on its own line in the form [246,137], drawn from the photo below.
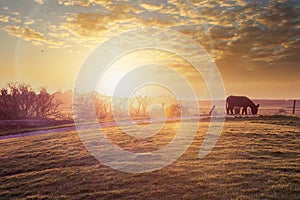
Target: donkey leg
[245,110]
[229,110]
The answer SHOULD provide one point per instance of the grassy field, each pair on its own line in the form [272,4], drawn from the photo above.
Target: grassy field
[9,127]
[255,158]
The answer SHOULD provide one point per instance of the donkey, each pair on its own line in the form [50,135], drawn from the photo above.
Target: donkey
[240,101]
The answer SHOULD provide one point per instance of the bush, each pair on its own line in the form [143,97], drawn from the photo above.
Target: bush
[20,101]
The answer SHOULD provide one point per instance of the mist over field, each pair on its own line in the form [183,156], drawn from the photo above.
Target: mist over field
[267,106]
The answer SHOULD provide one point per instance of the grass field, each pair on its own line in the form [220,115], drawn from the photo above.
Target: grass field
[10,127]
[255,158]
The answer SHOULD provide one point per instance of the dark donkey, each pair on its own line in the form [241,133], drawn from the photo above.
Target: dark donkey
[240,101]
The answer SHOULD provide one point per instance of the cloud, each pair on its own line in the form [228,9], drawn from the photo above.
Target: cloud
[40,1]
[87,24]
[15,13]
[151,7]
[4,18]
[244,28]
[29,34]
[85,3]
[28,21]
[91,26]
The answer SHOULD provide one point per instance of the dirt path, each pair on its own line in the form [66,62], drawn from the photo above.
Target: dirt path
[32,133]
[104,124]
[82,127]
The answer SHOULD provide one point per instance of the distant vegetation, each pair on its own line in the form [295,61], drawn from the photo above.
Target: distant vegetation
[21,101]
[106,107]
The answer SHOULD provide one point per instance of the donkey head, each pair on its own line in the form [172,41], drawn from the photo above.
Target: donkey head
[254,109]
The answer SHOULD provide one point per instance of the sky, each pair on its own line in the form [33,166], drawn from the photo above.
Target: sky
[254,44]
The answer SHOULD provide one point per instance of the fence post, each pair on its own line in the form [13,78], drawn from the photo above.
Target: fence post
[211,110]
[294,107]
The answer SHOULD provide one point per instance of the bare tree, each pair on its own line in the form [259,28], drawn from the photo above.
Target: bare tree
[46,106]
[102,106]
[92,105]
[145,103]
[20,101]
[174,110]
[16,101]
[138,104]
[83,110]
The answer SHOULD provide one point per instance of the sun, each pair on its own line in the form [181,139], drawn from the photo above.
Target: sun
[123,70]
[155,69]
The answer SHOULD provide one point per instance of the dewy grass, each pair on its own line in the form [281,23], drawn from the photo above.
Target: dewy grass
[24,130]
[252,160]
[9,127]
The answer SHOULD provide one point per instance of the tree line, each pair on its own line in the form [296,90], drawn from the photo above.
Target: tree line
[21,101]
[106,107]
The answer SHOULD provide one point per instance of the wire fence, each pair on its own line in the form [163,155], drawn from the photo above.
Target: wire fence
[267,107]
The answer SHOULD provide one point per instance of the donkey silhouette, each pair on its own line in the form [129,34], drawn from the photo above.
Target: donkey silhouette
[240,101]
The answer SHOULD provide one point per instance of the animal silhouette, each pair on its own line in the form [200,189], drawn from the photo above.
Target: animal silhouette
[240,101]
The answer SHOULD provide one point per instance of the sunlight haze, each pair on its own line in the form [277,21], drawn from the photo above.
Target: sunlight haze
[255,44]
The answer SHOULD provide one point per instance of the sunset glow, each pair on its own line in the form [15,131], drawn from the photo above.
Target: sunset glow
[149,99]
[254,44]
[158,66]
